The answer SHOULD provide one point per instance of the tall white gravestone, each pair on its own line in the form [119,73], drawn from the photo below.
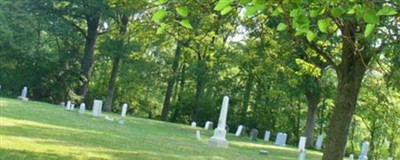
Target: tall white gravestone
[364,151]
[239,131]
[267,135]
[97,105]
[24,92]
[124,109]
[318,144]
[219,140]
[82,108]
[302,148]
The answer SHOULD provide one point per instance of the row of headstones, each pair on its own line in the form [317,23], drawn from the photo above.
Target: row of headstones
[364,152]
[96,111]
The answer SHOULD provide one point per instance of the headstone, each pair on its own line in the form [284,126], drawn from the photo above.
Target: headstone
[351,157]
[193,124]
[263,152]
[82,108]
[198,135]
[24,92]
[109,118]
[211,125]
[302,143]
[122,121]
[318,144]
[284,138]
[302,149]
[254,134]
[364,151]
[218,139]
[124,109]
[72,107]
[62,104]
[208,125]
[239,131]
[97,105]
[267,135]
[390,158]
[68,106]
[281,139]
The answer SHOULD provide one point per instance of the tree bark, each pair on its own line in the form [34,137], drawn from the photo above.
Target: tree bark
[313,95]
[116,63]
[350,74]
[92,22]
[177,110]
[171,82]
[112,83]
[246,97]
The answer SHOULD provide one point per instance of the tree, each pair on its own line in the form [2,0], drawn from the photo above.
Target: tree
[356,22]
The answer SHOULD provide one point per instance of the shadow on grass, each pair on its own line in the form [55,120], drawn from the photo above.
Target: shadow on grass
[24,154]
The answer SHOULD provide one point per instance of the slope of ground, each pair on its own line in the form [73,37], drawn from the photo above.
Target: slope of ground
[35,130]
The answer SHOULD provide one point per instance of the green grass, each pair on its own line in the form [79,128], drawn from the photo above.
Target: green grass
[35,130]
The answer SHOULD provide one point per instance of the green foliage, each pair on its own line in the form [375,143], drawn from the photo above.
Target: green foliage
[160,14]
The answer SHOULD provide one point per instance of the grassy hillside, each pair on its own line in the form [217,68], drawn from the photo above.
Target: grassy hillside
[35,130]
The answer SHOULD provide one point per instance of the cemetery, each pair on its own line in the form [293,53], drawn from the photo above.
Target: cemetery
[209,79]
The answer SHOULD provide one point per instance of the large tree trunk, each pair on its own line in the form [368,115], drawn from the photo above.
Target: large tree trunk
[313,95]
[117,60]
[246,97]
[177,110]
[171,82]
[350,74]
[92,22]
[111,84]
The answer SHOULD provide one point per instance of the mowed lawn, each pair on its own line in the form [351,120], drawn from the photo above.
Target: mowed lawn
[35,130]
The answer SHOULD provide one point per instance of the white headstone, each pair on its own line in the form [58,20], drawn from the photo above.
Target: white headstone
[24,92]
[198,135]
[97,105]
[193,124]
[239,131]
[318,144]
[351,157]
[302,143]
[267,135]
[68,106]
[390,158]
[208,125]
[62,104]
[302,149]
[109,118]
[218,139]
[122,121]
[284,138]
[124,109]
[364,151]
[281,139]
[72,107]
[82,108]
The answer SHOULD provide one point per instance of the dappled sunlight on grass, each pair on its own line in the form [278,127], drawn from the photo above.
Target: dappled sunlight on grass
[35,130]
[14,122]
[50,146]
